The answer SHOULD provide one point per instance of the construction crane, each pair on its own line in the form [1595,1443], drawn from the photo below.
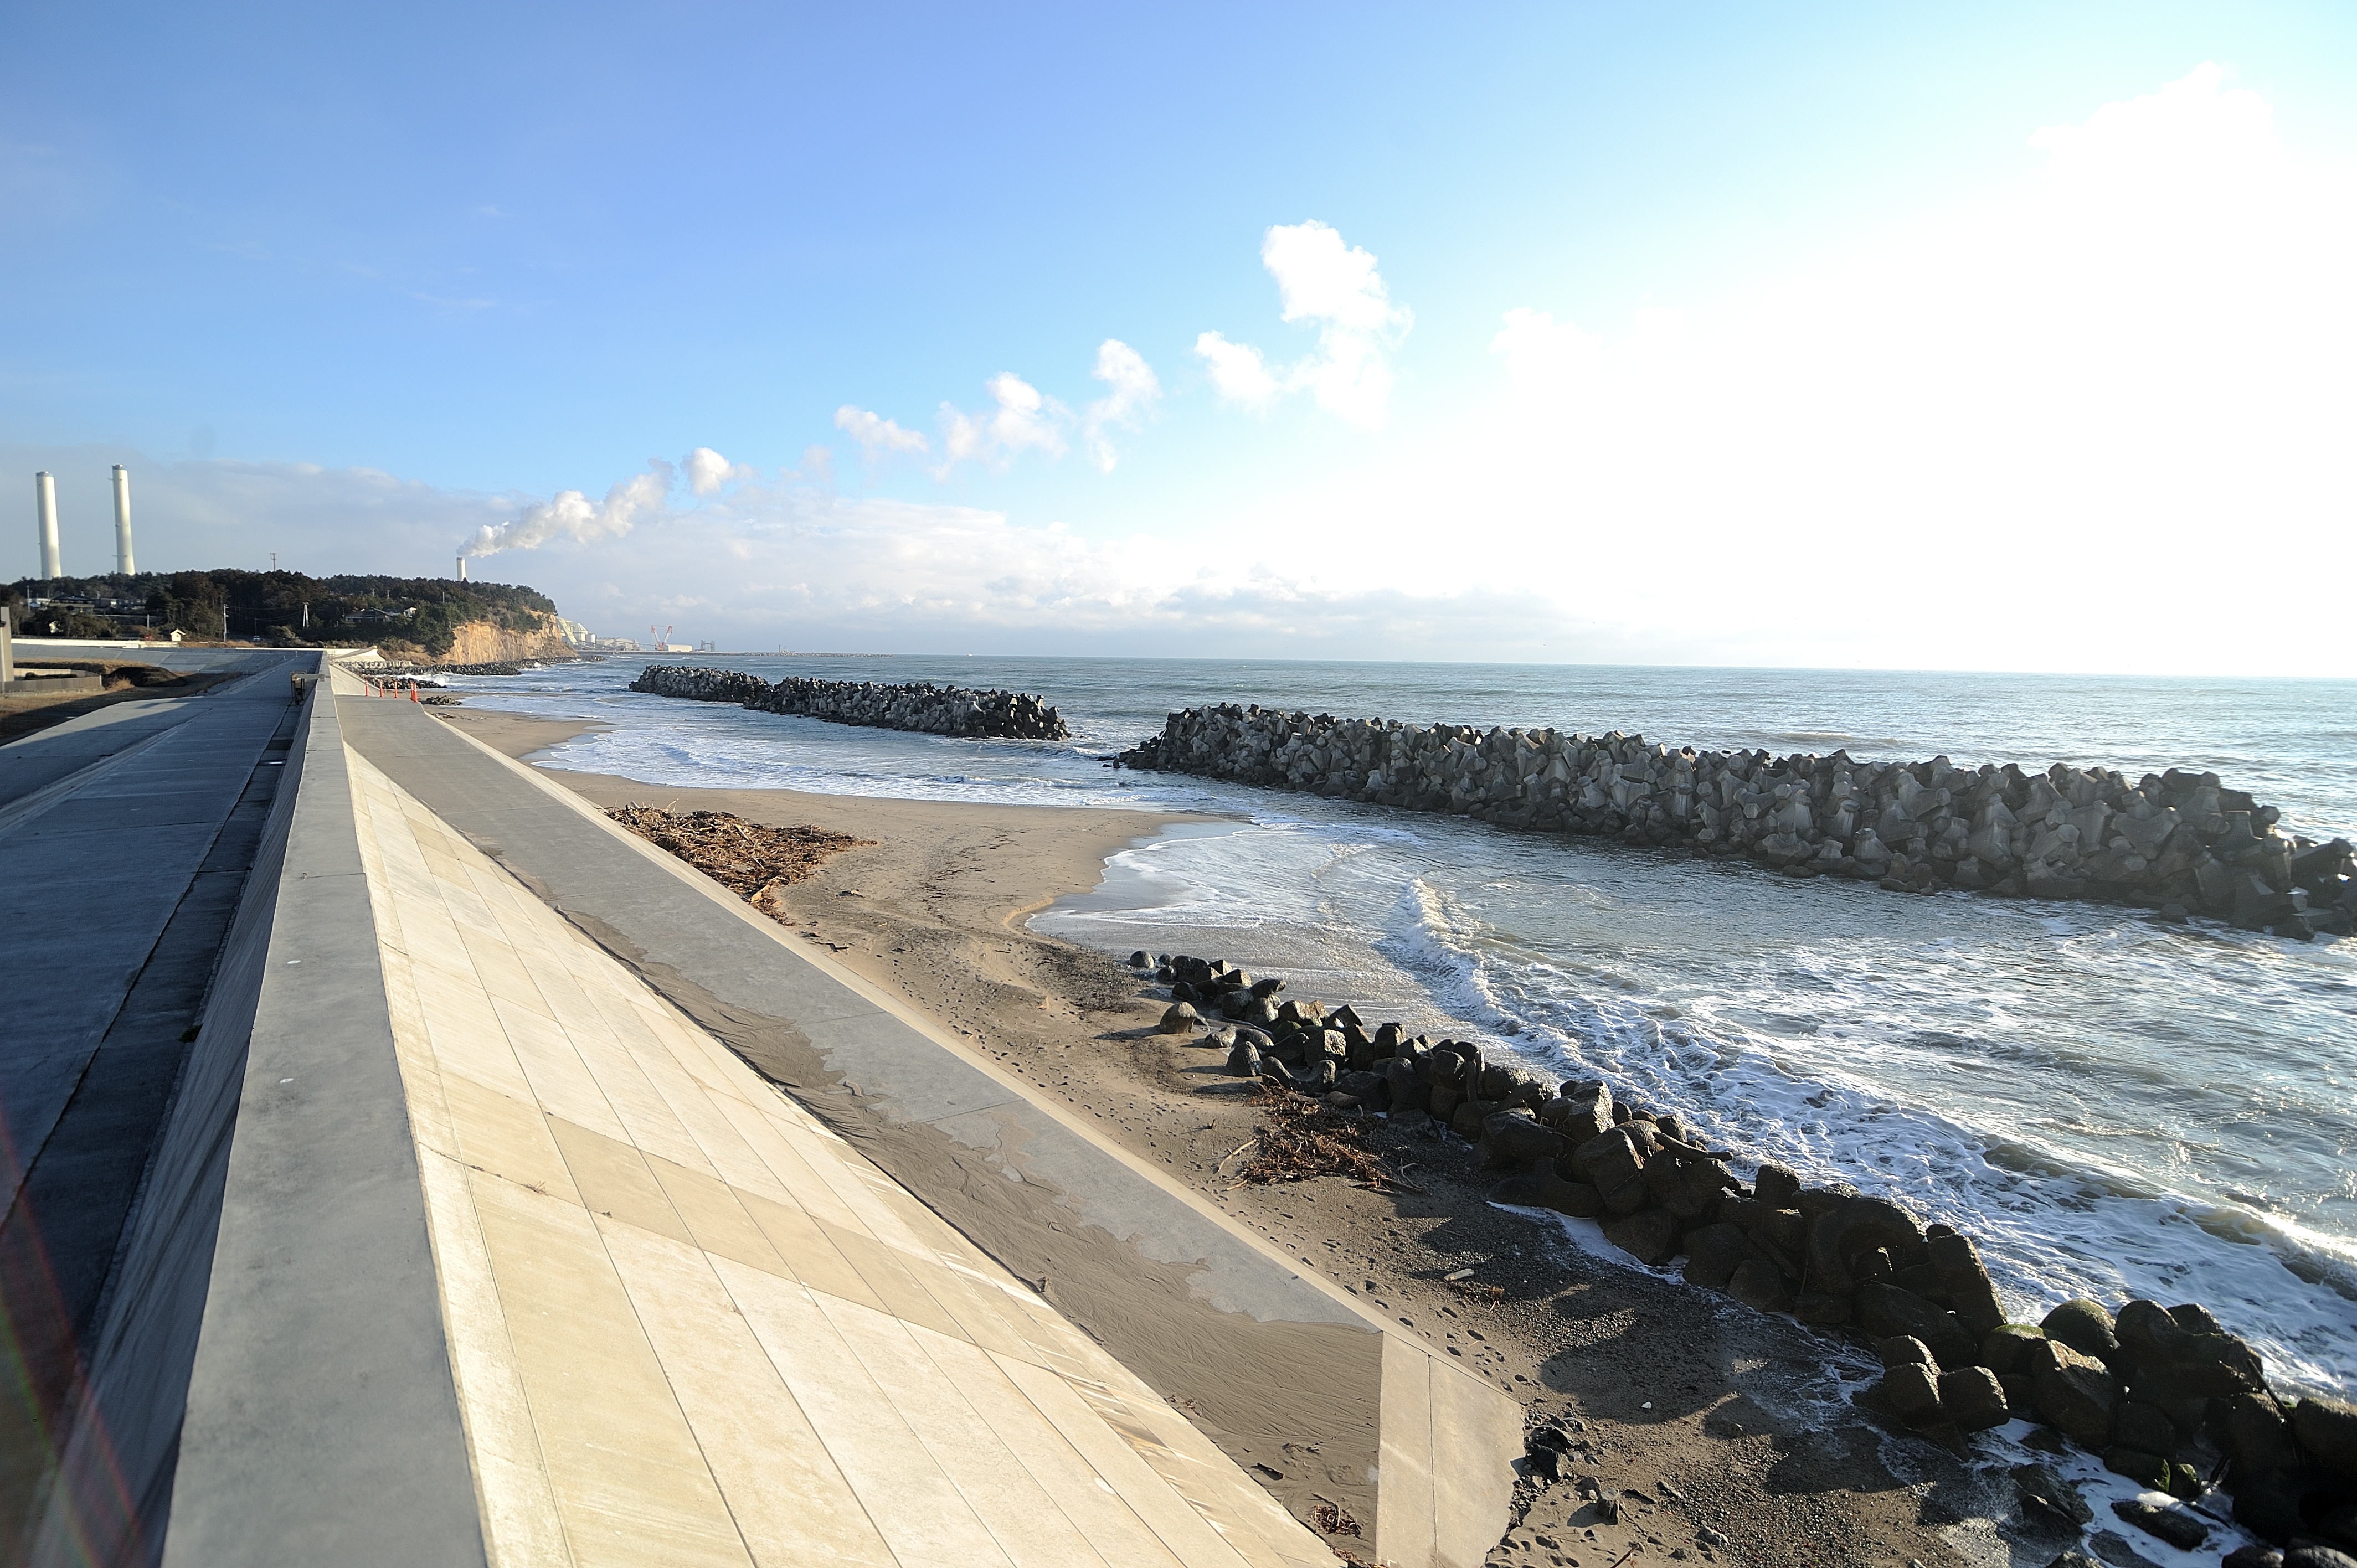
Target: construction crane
[661,638]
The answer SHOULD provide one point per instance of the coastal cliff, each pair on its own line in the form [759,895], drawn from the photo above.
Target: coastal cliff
[502,641]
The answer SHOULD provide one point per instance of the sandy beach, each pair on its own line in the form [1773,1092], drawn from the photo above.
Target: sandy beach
[1715,1430]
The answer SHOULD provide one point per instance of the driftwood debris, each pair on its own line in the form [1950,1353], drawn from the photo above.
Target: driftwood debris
[752,860]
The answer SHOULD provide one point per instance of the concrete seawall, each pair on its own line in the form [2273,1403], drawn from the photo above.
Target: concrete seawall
[269,1383]
[2179,838]
[526,1198]
[1419,1451]
[921,705]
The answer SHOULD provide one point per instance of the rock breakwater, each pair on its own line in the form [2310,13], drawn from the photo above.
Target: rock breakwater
[2177,839]
[2165,1395]
[497,667]
[917,705]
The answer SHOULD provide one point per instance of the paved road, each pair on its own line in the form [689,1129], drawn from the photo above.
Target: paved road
[125,837]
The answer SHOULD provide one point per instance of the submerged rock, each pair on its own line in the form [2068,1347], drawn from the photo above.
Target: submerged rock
[2181,1528]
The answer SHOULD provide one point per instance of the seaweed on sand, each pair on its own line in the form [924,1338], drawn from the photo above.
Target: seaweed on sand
[752,860]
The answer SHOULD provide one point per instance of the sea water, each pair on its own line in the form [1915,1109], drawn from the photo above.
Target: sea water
[2112,1106]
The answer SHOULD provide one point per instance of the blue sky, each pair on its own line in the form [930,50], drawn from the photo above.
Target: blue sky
[1604,317]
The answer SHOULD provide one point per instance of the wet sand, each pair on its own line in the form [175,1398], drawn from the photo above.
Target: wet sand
[1707,1422]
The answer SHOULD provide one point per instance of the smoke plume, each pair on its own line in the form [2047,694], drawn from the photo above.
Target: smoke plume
[572,515]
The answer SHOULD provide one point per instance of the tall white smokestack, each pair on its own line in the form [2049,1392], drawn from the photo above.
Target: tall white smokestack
[462,568]
[44,508]
[123,562]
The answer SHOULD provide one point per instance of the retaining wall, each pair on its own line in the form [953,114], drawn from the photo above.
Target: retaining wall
[2177,838]
[919,705]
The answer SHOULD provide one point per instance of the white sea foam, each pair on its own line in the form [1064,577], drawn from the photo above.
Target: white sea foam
[1826,1077]
[2058,1228]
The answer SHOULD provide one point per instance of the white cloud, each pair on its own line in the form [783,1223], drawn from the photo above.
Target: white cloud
[1128,406]
[877,436]
[571,515]
[2013,435]
[1238,371]
[196,514]
[707,471]
[1021,418]
[2195,131]
[870,573]
[1337,287]
[1320,279]
[2093,418]
[1025,420]
[801,562]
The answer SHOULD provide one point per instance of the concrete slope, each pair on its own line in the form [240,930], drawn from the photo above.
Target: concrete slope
[689,1326]
[1418,1451]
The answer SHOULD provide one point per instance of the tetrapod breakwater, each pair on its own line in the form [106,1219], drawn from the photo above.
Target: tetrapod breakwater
[917,705]
[2180,842]
[2166,1395]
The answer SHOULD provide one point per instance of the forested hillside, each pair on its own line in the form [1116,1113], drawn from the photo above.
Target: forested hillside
[284,607]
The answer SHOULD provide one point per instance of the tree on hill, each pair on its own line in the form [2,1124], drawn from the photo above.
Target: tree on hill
[275,606]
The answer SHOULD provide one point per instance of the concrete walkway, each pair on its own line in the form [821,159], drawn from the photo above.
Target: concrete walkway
[127,835]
